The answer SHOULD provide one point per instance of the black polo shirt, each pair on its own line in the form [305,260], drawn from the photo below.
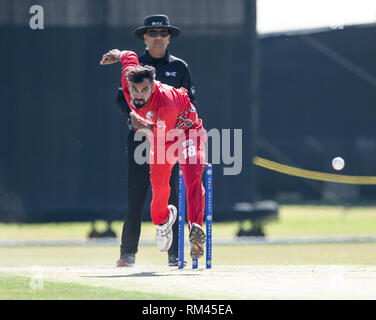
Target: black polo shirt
[169,70]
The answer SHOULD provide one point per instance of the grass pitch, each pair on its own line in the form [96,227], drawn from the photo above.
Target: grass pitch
[221,282]
[257,271]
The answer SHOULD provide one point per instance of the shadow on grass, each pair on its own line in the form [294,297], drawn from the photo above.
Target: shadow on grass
[137,275]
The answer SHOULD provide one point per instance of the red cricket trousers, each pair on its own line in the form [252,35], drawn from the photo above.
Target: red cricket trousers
[189,150]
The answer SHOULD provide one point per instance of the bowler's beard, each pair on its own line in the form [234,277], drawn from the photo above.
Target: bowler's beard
[139,103]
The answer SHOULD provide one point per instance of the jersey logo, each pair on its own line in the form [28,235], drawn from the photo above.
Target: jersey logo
[183,121]
[149,115]
[170,74]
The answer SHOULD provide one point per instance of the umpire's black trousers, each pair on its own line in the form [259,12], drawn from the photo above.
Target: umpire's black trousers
[138,186]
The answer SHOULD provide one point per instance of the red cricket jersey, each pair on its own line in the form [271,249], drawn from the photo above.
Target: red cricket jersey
[167,107]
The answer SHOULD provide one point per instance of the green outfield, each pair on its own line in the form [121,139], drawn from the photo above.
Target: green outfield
[18,288]
[294,254]
[293,221]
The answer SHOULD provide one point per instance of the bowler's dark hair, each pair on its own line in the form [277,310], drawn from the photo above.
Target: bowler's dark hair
[139,73]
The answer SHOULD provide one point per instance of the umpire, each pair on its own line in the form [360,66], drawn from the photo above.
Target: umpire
[156,33]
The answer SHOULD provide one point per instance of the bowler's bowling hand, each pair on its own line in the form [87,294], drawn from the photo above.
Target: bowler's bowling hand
[110,57]
[137,125]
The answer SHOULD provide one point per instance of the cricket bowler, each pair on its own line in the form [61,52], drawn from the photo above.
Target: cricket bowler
[165,112]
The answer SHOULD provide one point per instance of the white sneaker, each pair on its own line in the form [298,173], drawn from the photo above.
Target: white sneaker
[163,235]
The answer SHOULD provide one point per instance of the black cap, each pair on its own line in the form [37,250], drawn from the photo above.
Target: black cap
[156,21]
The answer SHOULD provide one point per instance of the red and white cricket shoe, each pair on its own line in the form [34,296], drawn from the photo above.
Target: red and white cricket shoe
[197,238]
[163,235]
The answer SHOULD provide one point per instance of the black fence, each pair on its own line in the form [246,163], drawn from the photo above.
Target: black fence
[62,136]
[317,101]
[62,139]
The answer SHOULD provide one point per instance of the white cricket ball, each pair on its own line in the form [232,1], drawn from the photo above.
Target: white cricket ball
[338,163]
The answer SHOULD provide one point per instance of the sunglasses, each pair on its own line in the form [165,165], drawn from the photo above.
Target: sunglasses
[155,33]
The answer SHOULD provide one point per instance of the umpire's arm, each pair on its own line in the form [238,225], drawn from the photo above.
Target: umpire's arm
[187,83]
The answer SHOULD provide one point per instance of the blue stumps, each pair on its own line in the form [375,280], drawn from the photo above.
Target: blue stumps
[181,217]
[209,214]
[209,218]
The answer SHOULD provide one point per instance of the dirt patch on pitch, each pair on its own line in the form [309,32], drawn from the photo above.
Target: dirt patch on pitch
[223,282]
